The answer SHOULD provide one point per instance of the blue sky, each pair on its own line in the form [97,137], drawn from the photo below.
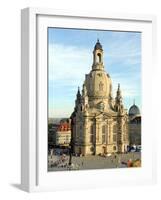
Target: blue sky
[70,58]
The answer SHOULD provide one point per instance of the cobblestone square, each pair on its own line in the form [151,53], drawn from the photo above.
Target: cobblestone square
[60,163]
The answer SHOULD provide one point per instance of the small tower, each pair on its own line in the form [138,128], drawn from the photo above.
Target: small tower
[78,100]
[118,101]
[119,96]
[98,56]
[79,96]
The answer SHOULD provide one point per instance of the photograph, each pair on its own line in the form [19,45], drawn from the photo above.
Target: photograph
[94,99]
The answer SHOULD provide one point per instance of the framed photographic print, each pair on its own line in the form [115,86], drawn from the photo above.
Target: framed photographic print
[86,108]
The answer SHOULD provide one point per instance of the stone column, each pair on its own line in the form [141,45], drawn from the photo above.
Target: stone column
[120,134]
[85,134]
[110,132]
[98,136]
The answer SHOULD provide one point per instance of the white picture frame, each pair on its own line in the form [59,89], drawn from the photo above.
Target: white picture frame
[34,176]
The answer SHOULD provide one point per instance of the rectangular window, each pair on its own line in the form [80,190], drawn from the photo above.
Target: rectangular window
[91,138]
[115,130]
[103,138]
[91,134]
[104,128]
[114,138]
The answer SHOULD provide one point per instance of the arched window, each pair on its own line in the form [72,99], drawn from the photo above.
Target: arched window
[98,57]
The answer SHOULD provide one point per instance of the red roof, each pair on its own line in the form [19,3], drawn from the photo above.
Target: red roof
[64,126]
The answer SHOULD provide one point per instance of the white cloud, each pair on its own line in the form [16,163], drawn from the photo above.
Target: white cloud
[68,64]
[125,51]
[130,86]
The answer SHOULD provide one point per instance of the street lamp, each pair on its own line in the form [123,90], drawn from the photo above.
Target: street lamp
[71,141]
[70,153]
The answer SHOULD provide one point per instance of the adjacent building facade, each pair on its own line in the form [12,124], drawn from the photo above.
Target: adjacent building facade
[59,134]
[134,125]
[52,128]
[99,123]
[63,134]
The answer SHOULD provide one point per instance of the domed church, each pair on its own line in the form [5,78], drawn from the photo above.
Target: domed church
[134,111]
[99,123]
[134,125]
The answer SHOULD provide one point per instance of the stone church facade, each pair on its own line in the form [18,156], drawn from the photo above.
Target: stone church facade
[99,123]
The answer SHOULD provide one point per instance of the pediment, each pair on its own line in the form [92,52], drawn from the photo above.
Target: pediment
[103,115]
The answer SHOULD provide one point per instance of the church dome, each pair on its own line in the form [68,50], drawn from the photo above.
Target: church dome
[134,110]
[99,84]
